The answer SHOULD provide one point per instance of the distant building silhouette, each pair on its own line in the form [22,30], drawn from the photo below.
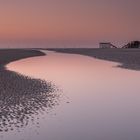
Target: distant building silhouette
[132,44]
[106,45]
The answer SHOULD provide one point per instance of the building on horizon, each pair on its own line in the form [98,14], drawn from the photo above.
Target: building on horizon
[106,45]
[132,44]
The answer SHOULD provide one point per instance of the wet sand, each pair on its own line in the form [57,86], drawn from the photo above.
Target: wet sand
[21,97]
[128,58]
[9,55]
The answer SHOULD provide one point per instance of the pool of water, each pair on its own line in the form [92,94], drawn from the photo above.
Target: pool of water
[98,101]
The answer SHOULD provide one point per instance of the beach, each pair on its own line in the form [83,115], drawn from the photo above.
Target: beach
[78,93]
[9,55]
[128,58]
[21,96]
[97,100]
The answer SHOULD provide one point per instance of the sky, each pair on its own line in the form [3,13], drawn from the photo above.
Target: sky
[70,20]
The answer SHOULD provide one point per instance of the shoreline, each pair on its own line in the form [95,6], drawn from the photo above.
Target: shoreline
[127,58]
[10,55]
[21,97]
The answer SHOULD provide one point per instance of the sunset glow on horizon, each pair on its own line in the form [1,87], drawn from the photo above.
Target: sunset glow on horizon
[70,20]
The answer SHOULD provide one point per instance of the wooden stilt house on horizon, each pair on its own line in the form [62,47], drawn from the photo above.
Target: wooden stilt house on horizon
[106,45]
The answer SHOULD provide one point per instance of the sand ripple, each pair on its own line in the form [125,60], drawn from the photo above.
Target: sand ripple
[21,98]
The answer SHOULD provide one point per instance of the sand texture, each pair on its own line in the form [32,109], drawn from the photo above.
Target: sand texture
[21,97]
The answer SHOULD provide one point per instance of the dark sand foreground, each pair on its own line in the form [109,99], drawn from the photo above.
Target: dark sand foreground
[21,97]
[128,58]
[9,55]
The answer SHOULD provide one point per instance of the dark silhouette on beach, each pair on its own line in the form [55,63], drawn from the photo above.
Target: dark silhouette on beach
[133,44]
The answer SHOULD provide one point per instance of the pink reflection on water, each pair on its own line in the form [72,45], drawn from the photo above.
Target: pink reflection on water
[104,99]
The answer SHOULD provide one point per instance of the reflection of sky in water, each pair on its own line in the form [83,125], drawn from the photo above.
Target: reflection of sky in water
[21,98]
[104,100]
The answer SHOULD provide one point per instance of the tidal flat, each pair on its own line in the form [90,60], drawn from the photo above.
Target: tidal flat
[128,58]
[21,96]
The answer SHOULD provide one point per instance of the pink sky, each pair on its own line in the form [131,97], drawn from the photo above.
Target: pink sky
[94,20]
